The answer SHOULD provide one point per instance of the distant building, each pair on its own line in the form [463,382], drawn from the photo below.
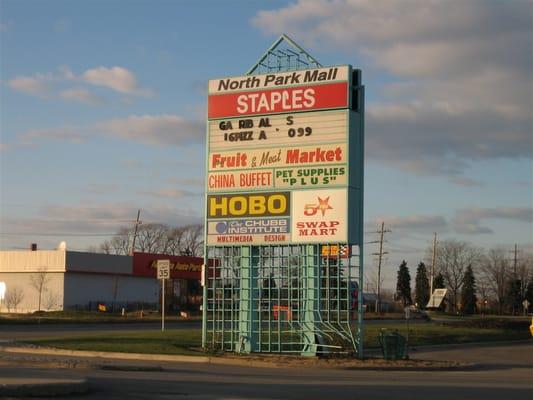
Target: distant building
[82,281]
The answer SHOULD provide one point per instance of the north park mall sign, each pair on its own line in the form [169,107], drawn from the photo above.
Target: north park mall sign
[285,158]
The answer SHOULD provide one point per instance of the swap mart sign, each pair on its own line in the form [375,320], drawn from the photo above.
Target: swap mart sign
[284,158]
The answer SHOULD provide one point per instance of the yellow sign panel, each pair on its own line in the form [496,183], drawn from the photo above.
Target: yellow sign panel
[248,205]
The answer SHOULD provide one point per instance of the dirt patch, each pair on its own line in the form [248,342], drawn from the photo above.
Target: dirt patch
[342,363]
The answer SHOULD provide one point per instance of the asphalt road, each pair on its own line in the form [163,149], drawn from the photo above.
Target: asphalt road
[27,331]
[506,373]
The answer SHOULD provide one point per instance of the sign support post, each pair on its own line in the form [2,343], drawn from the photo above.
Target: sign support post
[163,273]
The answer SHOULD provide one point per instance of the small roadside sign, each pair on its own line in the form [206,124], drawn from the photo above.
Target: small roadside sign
[163,269]
[163,273]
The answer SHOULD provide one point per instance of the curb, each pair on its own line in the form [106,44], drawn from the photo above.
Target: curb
[234,361]
[106,354]
[21,387]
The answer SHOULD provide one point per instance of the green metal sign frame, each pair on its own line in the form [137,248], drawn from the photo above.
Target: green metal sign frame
[292,298]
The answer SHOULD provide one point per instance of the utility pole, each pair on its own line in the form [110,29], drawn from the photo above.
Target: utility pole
[515,260]
[137,223]
[380,255]
[433,264]
[515,275]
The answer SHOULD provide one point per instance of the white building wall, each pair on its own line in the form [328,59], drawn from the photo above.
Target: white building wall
[33,261]
[72,279]
[22,282]
[82,288]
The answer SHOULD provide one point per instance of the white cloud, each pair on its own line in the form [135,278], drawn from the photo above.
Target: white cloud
[170,193]
[116,78]
[82,95]
[38,85]
[35,137]
[469,220]
[84,224]
[458,75]
[155,129]
[411,223]
[193,182]
[150,129]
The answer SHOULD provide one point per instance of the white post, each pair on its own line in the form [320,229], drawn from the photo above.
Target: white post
[163,273]
[163,306]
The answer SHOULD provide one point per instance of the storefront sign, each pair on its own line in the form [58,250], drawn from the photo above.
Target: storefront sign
[305,177]
[278,157]
[273,101]
[248,205]
[319,216]
[249,231]
[310,177]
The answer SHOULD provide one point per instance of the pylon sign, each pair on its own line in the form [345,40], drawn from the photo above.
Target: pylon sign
[285,158]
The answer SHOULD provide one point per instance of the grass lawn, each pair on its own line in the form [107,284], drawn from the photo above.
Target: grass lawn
[80,317]
[188,341]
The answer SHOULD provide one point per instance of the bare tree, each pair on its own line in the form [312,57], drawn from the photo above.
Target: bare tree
[13,298]
[495,269]
[484,291]
[118,244]
[152,238]
[371,280]
[159,239]
[51,301]
[175,240]
[524,272]
[452,259]
[39,281]
[194,240]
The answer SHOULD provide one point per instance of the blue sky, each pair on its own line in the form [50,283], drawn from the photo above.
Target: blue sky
[102,112]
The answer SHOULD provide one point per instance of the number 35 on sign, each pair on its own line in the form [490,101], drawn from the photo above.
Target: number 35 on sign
[163,269]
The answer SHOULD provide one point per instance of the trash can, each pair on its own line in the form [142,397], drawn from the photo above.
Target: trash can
[392,345]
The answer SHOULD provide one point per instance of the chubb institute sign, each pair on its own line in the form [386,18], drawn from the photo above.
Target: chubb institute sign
[285,158]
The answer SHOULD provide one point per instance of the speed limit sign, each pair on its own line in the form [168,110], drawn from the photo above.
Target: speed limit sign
[163,269]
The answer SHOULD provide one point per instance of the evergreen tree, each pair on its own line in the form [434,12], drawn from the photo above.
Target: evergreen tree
[421,286]
[468,292]
[403,284]
[438,282]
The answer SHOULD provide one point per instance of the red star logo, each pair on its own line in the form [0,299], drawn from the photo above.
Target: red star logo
[323,205]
